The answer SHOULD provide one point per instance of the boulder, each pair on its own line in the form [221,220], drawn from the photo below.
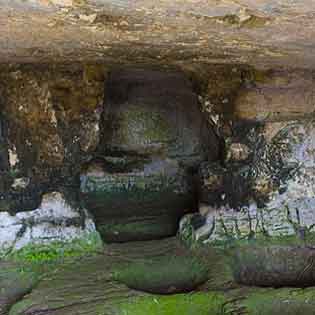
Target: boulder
[274,266]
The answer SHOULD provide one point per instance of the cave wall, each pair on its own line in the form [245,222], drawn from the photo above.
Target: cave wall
[50,125]
[263,187]
[53,125]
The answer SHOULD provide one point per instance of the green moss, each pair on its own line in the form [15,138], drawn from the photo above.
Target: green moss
[122,183]
[220,272]
[37,254]
[140,228]
[229,241]
[141,126]
[164,275]
[261,240]
[183,304]
[281,302]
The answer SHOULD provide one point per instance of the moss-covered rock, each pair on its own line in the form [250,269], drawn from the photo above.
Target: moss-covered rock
[15,282]
[285,301]
[154,112]
[184,304]
[50,123]
[270,194]
[138,205]
[55,220]
[274,265]
[142,181]
[167,275]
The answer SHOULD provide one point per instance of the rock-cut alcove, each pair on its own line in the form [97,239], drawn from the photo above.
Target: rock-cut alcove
[135,118]
[141,180]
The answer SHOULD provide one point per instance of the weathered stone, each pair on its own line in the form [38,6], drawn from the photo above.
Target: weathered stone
[165,275]
[51,123]
[87,285]
[279,196]
[54,220]
[156,113]
[279,95]
[139,204]
[261,33]
[14,284]
[150,148]
[274,266]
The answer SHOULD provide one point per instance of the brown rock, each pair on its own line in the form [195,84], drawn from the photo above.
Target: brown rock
[281,96]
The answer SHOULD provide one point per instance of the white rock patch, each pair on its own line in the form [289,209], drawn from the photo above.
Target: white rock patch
[54,220]
[287,212]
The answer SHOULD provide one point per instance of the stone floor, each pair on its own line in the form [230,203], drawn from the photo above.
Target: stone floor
[84,285]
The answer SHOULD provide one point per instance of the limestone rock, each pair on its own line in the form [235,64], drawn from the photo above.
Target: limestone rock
[50,124]
[142,180]
[261,33]
[148,114]
[139,204]
[41,103]
[275,266]
[279,198]
[278,95]
[14,285]
[54,220]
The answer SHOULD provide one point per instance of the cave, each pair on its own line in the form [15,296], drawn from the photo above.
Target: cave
[142,178]
[149,148]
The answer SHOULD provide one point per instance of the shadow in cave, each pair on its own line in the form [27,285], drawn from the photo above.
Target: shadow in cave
[153,139]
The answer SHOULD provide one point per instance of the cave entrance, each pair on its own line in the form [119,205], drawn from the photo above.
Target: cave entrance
[154,137]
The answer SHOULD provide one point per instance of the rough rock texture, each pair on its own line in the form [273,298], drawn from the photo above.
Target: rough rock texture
[50,124]
[135,148]
[86,286]
[261,33]
[54,220]
[13,285]
[269,195]
[138,205]
[277,95]
[156,113]
[154,138]
[275,266]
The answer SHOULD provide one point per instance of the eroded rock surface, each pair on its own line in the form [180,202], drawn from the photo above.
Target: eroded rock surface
[154,138]
[87,285]
[54,220]
[50,121]
[261,33]
[269,195]
[275,266]
[13,285]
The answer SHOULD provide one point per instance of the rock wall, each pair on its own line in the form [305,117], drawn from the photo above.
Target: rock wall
[125,146]
[54,220]
[154,138]
[264,187]
[50,125]
[237,143]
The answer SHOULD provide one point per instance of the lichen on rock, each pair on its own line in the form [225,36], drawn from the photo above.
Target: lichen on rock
[51,122]
[279,197]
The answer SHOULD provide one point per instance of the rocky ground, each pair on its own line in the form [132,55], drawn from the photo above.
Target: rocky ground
[88,285]
[150,148]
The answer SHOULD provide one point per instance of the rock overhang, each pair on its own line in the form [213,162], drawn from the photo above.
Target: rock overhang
[259,33]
